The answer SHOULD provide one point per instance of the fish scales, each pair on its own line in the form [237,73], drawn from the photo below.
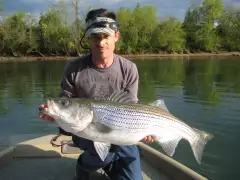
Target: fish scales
[138,117]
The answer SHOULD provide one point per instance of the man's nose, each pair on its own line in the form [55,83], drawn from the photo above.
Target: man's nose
[101,41]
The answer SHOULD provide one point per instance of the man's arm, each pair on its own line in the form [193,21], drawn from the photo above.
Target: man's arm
[133,82]
[67,83]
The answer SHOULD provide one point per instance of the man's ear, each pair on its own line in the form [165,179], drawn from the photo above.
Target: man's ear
[117,36]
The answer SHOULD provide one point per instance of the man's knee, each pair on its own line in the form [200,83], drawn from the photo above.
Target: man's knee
[82,143]
[90,162]
[127,166]
[120,170]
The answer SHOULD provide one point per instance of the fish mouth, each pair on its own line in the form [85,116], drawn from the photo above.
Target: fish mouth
[48,108]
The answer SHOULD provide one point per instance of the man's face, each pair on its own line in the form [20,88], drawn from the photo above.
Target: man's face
[103,45]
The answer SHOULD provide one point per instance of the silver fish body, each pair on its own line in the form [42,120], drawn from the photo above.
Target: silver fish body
[128,124]
[120,123]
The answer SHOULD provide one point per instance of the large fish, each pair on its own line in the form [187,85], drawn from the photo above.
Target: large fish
[117,121]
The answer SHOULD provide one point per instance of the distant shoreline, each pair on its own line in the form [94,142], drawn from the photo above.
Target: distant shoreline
[130,56]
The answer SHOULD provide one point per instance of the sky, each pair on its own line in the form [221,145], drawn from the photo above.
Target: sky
[175,8]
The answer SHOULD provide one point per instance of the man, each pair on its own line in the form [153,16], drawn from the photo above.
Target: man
[97,75]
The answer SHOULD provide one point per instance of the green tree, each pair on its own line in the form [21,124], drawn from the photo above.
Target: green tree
[228,29]
[190,26]
[200,25]
[54,33]
[76,30]
[208,27]
[33,36]
[145,21]
[125,21]
[136,27]
[207,36]
[14,34]
[169,36]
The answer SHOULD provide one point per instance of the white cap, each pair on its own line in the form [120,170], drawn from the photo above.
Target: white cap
[91,29]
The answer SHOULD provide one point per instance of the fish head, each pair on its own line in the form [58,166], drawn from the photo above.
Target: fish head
[72,115]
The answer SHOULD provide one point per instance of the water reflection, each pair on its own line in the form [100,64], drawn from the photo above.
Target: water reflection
[201,80]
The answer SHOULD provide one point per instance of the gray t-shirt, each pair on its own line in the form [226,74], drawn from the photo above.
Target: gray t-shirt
[81,78]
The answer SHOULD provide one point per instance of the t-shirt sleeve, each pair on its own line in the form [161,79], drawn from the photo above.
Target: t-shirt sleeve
[67,82]
[132,83]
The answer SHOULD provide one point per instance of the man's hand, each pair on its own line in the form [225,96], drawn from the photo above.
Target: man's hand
[148,139]
[43,115]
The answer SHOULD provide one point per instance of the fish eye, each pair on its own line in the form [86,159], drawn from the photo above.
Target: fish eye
[64,102]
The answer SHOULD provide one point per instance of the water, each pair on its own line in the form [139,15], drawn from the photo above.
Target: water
[204,93]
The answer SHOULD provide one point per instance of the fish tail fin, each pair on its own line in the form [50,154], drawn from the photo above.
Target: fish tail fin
[199,143]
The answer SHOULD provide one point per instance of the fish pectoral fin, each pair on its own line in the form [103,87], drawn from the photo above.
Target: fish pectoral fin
[102,149]
[159,103]
[169,144]
[102,127]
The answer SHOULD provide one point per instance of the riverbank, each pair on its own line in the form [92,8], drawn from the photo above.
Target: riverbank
[130,56]
[178,55]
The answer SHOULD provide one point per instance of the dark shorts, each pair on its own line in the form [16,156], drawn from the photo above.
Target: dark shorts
[122,165]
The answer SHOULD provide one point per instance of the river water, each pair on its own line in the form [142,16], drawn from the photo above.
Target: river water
[205,93]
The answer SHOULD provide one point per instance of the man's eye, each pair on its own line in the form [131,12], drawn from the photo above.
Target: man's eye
[105,36]
[98,38]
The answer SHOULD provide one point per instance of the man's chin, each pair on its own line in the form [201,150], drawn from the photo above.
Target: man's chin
[102,54]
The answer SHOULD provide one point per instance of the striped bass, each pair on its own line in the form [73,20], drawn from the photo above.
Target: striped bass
[120,122]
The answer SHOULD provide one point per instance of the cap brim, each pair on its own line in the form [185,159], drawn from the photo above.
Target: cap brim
[95,31]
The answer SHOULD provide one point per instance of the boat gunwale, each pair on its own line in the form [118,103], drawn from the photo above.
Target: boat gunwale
[163,163]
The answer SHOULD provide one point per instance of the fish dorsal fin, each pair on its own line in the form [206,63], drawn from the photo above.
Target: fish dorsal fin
[159,103]
[121,96]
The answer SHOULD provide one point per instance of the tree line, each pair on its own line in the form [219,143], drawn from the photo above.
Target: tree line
[208,27]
